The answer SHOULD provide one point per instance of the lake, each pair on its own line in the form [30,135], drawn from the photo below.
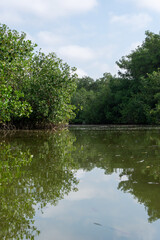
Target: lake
[85,183]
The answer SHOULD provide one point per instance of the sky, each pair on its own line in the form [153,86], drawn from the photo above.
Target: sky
[90,35]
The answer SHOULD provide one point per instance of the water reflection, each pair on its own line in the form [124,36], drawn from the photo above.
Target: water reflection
[38,169]
[134,155]
[16,211]
[35,168]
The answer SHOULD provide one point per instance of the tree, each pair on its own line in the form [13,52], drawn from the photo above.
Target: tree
[152,94]
[49,89]
[143,60]
[11,105]
[33,84]
[91,99]
[15,56]
[85,82]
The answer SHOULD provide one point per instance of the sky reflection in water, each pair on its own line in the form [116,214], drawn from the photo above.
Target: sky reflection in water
[97,211]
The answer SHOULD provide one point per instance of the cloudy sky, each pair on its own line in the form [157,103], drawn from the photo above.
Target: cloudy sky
[88,34]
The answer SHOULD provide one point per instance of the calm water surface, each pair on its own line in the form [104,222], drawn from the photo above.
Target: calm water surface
[80,184]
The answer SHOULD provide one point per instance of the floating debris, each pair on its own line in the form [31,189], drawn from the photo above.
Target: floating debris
[142,160]
[98,224]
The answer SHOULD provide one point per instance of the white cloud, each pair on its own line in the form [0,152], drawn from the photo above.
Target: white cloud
[75,52]
[48,9]
[6,17]
[81,73]
[106,51]
[102,67]
[136,21]
[85,193]
[78,5]
[49,38]
[91,192]
[149,4]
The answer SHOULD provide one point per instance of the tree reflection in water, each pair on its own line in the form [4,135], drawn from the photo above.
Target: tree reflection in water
[38,168]
[134,155]
[35,168]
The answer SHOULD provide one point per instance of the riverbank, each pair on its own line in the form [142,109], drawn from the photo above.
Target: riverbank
[114,127]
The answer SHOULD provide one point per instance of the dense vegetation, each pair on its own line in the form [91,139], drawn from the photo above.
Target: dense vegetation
[38,90]
[131,98]
[35,89]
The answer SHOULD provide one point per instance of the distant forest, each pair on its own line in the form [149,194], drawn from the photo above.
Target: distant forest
[131,98]
[39,91]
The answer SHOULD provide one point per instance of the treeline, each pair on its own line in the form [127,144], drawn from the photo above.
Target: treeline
[38,90]
[131,98]
[35,89]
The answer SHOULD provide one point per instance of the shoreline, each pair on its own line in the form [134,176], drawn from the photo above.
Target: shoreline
[113,127]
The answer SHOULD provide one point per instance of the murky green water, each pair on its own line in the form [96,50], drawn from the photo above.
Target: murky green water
[80,184]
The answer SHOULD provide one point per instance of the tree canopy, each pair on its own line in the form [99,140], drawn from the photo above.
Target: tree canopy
[34,87]
[132,97]
[39,90]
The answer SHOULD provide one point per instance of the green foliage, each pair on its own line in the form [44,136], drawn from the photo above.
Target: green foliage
[86,83]
[152,94]
[49,89]
[143,60]
[90,100]
[37,88]
[135,111]
[15,55]
[10,104]
[32,85]
[131,98]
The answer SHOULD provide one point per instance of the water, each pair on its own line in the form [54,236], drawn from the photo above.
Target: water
[80,184]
